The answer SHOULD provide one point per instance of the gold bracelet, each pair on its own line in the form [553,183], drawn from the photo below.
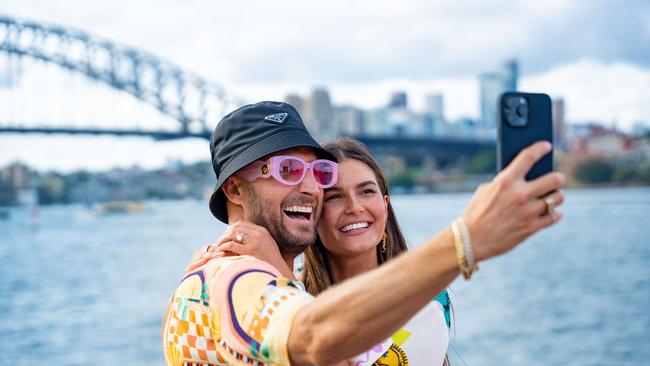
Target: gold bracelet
[460,249]
[470,262]
[463,244]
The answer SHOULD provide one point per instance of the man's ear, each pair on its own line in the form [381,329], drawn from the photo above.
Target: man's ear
[233,188]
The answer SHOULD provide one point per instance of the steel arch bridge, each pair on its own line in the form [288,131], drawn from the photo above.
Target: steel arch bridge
[195,103]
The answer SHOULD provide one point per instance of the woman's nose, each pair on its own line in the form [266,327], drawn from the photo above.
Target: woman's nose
[354,206]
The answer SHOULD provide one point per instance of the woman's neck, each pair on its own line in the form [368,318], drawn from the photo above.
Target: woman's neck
[344,267]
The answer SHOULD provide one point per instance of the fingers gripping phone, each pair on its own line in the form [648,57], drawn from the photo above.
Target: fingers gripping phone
[524,118]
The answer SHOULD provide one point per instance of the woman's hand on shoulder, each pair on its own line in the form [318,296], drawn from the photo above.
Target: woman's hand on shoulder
[244,238]
[509,209]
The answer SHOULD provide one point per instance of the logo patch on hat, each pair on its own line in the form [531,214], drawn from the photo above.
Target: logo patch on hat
[277,118]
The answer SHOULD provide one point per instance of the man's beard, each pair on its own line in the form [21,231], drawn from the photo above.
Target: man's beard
[264,213]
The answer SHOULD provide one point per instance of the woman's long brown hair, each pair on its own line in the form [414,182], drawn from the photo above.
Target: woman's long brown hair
[316,275]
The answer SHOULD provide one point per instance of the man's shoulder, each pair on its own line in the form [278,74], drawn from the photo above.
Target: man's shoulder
[234,266]
[236,260]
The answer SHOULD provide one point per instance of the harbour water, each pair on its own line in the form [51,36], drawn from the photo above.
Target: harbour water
[78,289]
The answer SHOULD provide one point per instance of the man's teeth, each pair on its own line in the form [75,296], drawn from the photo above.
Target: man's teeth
[358,225]
[303,209]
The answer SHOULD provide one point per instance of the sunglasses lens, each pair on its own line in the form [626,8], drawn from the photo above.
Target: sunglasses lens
[291,170]
[324,173]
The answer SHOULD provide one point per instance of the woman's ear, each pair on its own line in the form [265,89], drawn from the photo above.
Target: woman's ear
[386,202]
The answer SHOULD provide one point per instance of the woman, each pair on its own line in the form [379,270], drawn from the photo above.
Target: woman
[358,231]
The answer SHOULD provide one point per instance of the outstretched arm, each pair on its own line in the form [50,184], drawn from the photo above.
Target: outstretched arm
[349,318]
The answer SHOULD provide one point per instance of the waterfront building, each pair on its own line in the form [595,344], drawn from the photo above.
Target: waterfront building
[398,100]
[349,121]
[296,101]
[510,75]
[318,115]
[559,125]
[375,122]
[434,114]
[492,85]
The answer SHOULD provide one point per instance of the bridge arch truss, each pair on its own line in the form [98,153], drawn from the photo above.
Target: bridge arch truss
[194,102]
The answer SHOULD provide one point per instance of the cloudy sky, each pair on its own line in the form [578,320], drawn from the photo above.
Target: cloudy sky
[594,54]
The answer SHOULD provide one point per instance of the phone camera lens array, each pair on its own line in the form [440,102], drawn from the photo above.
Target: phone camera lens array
[516,111]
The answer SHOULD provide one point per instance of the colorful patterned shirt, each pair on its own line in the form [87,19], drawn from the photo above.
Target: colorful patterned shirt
[231,311]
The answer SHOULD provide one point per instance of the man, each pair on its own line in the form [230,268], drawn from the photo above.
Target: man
[270,171]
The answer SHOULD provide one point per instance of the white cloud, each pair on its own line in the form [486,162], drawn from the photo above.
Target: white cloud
[65,153]
[596,91]
[359,40]
[594,54]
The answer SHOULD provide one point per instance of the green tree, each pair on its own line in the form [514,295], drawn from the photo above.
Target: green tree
[625,174]
[485,162]
[643,174]
[404,180]
[594,171]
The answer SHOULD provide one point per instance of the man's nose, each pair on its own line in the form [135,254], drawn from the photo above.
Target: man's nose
[309,185]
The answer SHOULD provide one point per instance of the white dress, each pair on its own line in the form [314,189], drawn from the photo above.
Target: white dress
[423,340]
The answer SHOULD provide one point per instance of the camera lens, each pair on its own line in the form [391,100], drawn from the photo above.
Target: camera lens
[522,110]
[516,111]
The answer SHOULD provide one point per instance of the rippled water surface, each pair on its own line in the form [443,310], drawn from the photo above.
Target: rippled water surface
[77,288]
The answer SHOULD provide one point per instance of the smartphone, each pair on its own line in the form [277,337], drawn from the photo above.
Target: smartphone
[524,118]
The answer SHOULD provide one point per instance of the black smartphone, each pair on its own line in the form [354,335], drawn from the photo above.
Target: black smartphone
[524,118]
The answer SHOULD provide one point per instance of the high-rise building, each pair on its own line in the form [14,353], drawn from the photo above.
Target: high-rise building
[434,114]
[349,121]
[398,100]
[559,124]
[375,122]
[510,74]
[318,115]
[434,106]
[18,175]
[296,101]
[492,85]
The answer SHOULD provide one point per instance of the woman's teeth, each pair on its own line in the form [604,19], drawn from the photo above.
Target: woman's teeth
[358,225]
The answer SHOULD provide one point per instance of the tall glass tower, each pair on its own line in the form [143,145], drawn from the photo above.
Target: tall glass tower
[492,85]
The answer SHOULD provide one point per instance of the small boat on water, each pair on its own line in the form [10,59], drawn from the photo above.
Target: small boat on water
[120,207]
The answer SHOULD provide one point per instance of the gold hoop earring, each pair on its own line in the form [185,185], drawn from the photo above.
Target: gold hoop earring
[383,243]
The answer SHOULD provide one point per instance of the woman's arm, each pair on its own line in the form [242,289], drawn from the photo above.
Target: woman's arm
[244,238]
[349,318]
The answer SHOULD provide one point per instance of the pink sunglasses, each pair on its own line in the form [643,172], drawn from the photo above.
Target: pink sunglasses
[291,170]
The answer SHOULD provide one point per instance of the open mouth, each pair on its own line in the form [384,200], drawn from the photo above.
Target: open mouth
[349,228]
[299,213]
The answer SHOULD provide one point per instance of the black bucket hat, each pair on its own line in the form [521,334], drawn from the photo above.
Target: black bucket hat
[250,133]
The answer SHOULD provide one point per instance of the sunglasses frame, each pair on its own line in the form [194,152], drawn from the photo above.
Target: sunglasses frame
[271,168]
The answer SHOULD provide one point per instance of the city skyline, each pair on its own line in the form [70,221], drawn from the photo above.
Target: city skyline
[604,80]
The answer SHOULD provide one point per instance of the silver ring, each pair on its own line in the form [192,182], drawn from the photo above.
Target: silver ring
[239,237]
